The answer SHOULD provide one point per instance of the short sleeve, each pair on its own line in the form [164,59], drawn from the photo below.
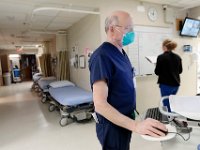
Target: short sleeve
[100,69]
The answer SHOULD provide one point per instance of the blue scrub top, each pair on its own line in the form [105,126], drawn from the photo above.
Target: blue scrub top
[109,64]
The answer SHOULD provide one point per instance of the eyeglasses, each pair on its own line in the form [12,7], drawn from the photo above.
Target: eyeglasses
[127,28]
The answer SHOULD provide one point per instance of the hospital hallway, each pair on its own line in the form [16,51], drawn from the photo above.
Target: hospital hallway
[26,124]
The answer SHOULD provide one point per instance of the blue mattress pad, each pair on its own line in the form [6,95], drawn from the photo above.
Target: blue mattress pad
[71,95]
[43,84]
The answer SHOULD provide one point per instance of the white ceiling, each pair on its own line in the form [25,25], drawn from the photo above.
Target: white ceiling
[23,24]
[177,3]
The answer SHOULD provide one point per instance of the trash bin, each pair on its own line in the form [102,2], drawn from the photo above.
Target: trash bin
[7,78]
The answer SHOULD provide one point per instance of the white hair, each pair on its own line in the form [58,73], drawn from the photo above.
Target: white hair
[111,20]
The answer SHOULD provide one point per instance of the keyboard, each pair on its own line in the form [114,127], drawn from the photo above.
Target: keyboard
[154,113]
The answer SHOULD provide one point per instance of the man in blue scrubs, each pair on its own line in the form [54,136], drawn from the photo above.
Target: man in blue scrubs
[114,96]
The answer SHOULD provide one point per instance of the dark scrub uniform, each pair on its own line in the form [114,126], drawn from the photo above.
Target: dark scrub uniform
[109,64]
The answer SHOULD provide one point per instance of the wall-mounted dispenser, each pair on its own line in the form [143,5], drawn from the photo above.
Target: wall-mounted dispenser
[187,48]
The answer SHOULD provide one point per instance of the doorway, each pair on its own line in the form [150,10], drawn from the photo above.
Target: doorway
[28,66]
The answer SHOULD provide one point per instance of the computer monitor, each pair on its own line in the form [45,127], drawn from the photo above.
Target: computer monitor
[190,27]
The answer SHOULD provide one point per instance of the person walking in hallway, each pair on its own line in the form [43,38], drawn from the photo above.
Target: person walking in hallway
[168,69]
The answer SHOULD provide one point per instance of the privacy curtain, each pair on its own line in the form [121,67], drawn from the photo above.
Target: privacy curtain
[63,65]
[45,64]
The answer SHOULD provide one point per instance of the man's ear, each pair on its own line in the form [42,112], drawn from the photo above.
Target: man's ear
[111,28]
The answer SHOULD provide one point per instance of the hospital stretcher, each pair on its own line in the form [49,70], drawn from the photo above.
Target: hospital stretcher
[36,78]
[43,84]
[74,103]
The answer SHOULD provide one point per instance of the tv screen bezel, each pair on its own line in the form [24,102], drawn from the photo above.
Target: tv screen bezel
[181,34]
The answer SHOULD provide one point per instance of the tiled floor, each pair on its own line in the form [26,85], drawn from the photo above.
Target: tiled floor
[26,124]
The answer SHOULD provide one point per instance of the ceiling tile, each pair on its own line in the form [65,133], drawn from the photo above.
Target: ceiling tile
[12,7]
[40,18]
[65,19]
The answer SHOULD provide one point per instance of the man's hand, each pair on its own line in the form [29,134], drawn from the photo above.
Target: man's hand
[150,127]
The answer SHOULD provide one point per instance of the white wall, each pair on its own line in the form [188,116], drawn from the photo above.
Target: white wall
[15,61]
[195,13]
[83,35]
[89,33]
[61,42]
[148,94]
[139,18]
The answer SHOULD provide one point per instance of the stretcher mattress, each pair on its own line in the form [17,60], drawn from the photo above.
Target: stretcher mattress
[44,82]
[71,95]
[37,76]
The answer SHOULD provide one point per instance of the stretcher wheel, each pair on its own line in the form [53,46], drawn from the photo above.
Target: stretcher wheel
[64,121]
[40,94]
[52,107]
[90,117]
[43,100]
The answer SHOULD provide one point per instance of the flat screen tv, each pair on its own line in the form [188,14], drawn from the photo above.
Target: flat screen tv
[190,27]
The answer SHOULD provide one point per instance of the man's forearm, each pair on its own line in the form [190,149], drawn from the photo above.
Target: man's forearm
[115,116]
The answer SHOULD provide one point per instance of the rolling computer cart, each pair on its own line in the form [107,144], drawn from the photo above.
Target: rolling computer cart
[16,75]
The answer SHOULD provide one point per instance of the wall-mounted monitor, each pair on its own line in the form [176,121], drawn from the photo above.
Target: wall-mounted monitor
[190,27]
